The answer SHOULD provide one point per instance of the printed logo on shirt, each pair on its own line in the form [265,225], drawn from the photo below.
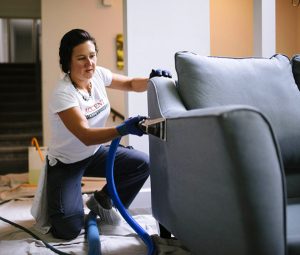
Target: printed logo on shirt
[92,111]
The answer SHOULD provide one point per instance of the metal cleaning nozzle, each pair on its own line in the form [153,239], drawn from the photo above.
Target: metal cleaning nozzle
[156,127]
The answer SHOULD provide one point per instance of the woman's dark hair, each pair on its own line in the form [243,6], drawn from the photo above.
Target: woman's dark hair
[70,40]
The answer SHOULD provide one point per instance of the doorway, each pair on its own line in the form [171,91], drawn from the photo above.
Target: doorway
[20,40]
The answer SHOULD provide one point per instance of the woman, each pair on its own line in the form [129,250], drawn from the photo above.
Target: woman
[78,110]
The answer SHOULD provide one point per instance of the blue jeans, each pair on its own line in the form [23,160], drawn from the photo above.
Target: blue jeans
[65,205]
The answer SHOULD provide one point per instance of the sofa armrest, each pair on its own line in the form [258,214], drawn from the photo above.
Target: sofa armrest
[217,182]
[163,98]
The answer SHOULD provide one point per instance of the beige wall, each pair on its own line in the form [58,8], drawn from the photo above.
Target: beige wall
[231,27]
[103,23]
[287,28]
[298,31]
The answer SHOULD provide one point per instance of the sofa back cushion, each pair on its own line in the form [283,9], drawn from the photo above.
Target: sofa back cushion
[267,84]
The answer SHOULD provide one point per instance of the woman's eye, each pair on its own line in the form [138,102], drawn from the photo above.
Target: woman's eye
[83,58]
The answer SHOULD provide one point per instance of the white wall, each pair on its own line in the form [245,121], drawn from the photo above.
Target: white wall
[264,34]
[154,31]
[58,17]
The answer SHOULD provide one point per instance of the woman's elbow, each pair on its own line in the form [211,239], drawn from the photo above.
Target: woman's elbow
[86,141]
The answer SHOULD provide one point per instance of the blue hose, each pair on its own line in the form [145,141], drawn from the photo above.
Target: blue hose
[116,200]
[93,235]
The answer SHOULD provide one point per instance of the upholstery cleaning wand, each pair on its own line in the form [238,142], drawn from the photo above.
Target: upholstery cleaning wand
[156,127]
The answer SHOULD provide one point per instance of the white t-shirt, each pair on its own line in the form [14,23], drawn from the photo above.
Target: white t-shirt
[65,146]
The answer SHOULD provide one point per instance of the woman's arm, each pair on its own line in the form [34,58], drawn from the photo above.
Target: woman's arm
[78,125]
[125,83]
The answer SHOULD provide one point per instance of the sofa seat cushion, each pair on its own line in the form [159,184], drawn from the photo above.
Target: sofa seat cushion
[266,84]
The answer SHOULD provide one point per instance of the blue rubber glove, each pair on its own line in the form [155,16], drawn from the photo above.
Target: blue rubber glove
[130,126]
[160,73]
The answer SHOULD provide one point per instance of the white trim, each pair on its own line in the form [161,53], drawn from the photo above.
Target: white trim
[142,200]
[264,27]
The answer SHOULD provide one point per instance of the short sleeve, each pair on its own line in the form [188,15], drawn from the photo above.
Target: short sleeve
[62,99]
[104,74]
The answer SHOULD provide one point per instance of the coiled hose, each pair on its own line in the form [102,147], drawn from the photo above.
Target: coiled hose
[116,200]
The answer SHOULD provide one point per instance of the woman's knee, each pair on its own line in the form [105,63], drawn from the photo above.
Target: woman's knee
[139,160]
[144,166]
[144,169]
[67,227]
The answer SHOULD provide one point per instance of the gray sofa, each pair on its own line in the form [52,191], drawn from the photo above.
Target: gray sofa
[227,178]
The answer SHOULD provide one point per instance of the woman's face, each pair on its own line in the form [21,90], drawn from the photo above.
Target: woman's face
[83,61]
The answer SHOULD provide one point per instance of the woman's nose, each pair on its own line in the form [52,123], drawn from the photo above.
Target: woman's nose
[89,61]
